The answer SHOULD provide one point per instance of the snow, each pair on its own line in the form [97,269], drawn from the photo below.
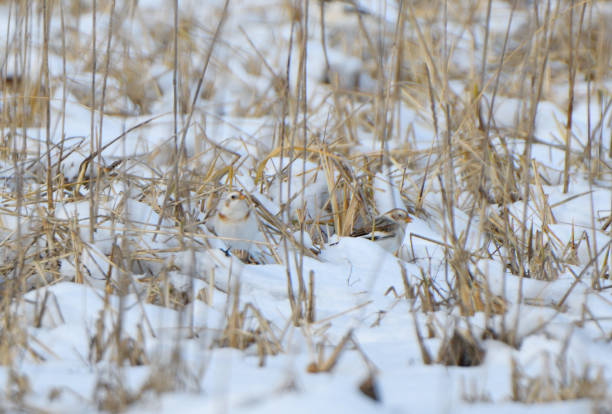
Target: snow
[138,310]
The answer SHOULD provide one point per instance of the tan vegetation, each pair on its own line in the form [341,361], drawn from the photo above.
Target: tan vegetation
[475,171]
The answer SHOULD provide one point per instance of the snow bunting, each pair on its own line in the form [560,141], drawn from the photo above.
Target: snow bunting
[387,229]
[235,223]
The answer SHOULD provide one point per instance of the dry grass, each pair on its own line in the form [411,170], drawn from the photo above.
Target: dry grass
[473,167]
[571,386]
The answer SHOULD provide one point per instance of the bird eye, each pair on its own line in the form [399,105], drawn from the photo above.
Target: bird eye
[234,197]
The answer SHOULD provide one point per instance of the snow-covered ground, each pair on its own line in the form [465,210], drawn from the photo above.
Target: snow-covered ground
[118,297]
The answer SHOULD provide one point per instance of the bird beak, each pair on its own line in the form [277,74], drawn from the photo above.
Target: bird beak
[242,196]
[407,219]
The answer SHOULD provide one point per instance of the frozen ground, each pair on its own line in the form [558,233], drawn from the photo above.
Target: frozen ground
[500,303]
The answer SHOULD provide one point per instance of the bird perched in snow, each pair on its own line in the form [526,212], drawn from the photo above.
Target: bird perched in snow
[387,229]
[235,223]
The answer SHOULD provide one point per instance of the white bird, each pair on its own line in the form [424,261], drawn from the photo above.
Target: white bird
[235,223]
[387,229]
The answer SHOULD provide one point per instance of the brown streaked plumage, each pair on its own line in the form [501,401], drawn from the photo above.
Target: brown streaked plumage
[387,229]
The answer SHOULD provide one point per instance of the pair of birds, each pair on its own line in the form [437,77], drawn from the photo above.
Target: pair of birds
[235,223]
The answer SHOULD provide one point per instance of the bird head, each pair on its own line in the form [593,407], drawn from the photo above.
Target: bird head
[399,215]
[234,206]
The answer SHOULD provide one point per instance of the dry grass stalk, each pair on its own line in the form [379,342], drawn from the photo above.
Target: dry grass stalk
[323,364]
[238,333]
[461,349]
[472,156]
[544,388]
[425,354]
[369,388]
